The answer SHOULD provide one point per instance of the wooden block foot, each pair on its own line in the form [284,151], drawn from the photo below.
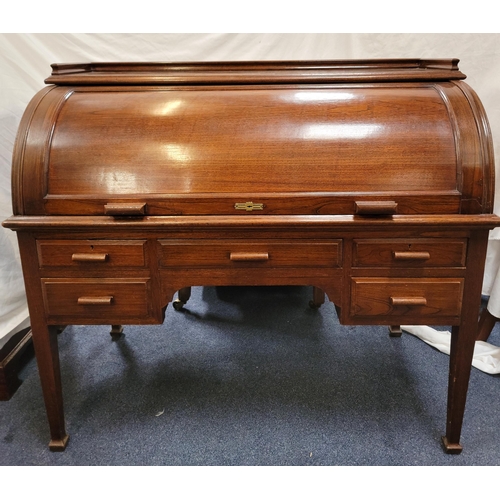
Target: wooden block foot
[395,331]
[451,448]
[59,444]
[116,332]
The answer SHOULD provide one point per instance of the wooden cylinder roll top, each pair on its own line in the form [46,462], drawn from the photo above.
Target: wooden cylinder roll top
[291,138]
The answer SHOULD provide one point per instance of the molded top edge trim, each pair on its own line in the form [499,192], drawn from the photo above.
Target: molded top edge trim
[137,73]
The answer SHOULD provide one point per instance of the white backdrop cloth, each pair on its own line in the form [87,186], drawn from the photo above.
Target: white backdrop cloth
[25,62]
[486,356]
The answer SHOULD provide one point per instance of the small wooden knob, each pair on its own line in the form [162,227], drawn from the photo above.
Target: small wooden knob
[95,301]
[89,257]
[125,209]
[376,207]
[408,301]
[248,256]
[411,255]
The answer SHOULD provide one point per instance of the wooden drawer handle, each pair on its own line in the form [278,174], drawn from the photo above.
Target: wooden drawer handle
[95,301]
[411,255]
[89,257]
[125,209]
[408,301]
[248,256]
[376,207]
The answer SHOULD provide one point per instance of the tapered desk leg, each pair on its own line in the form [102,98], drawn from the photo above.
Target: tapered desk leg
[463,338]
[462,349]
[45,344]
[47,356]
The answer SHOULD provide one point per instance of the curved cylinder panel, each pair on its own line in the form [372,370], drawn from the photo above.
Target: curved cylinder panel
[291,148]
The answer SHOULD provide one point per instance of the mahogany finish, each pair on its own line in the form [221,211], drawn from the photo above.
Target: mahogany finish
[371,181]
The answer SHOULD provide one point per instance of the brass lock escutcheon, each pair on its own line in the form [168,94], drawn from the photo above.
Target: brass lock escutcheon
[249,206]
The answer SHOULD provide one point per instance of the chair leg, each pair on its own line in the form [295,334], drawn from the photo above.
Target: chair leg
[486,323]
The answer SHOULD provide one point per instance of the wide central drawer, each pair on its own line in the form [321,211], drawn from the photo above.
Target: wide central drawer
[413,299]
[97,301]
[238,253]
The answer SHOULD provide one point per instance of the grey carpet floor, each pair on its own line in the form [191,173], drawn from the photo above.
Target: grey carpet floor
[250,376]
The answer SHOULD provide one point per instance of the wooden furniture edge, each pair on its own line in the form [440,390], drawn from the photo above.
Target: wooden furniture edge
[237,72]
[12,355]
[473,221]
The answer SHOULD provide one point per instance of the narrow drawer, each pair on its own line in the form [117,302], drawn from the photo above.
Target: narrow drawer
[90,254]
[417,298]
[409,253]
[237,253]
[96,301]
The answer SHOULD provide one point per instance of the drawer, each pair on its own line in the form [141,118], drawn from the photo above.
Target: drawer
[410,298]
[92,301]
[91,254]
[238,253]
[409,253]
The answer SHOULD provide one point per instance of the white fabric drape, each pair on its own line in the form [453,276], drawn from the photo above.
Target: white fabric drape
[486,356]
[25,62]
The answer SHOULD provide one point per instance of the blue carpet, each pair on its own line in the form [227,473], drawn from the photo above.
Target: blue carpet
[250,376]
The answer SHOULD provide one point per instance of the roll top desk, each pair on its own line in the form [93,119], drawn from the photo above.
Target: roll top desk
[371,181]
